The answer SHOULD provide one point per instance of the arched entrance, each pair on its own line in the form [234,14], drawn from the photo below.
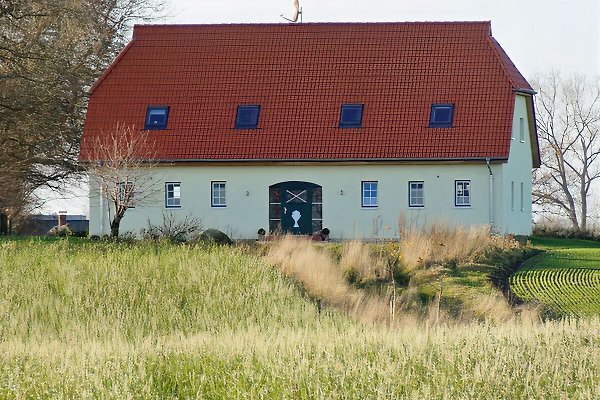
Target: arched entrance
[295,207]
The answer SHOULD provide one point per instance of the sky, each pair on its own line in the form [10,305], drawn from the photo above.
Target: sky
[539,35]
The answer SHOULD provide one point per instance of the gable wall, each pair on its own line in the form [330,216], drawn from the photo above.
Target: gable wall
[511,217]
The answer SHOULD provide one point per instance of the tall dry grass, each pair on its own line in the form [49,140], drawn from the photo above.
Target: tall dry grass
[441,244]
[423,260]
[359,263]
[323,278]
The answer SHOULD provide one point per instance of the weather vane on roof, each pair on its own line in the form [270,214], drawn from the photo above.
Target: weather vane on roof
[297,12]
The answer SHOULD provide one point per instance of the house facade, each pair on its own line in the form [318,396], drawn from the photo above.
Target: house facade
[359,128]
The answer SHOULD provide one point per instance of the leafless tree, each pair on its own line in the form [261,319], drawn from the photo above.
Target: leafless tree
[568,120]
[122,168]
[51,52]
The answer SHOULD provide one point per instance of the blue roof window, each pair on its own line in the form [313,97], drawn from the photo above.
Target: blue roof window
[156,117]
[351,116]
[247,117]
[442,116]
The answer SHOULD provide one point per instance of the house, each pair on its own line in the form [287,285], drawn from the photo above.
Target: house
[350,126]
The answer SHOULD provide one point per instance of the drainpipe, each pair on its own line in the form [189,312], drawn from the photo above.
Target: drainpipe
[491,187]
[101,195]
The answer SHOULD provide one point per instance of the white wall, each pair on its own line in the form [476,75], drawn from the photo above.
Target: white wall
[514,218]
[342,211]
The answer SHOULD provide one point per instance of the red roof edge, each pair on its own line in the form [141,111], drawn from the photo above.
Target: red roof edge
[509,68]
[112,65]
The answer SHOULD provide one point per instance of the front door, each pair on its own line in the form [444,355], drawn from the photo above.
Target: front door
[295,207]
[296,211]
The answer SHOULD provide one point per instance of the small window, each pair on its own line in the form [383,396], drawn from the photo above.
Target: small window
[442,116]
[218,198]
[522,130]
[512,196]
[125,195]
[173,194]
[463,194]
[369,194]
[416,194]
[522,198]
[156,117]
[247,117]
[351,116]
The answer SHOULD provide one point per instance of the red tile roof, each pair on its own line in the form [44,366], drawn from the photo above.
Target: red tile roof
[300,74]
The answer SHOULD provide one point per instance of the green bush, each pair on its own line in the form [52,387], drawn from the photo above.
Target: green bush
[61,231]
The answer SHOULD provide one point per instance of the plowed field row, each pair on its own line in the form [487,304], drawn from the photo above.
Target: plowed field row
[568,281]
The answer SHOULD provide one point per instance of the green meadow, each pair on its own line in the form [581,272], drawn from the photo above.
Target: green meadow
[565,277]
[114,321]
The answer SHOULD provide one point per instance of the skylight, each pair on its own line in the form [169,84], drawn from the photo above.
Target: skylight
[156,117]
[442,116]
[247,117]
[351,116]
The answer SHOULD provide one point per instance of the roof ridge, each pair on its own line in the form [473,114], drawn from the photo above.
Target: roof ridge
[227,24]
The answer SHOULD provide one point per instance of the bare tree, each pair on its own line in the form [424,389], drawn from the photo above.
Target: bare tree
[122,167]
[51,51]
[568,120]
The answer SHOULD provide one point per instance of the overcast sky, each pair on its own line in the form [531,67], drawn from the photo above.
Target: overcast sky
[538,35]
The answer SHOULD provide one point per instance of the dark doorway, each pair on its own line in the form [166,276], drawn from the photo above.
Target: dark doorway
[3,224]
[295,207]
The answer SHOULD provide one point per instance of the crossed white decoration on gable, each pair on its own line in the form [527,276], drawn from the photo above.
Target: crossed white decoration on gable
[296,196]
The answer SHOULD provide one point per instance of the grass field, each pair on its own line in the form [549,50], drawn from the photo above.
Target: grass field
[106,320]
[566,277]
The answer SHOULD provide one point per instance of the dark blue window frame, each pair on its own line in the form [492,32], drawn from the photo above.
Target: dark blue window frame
[442,116]
[247,117]
[156,117]
[351,115]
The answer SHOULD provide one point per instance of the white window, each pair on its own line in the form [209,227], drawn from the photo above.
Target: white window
[522,130]
[173,194]
[125,195]
[462,193]
[416,194]
[369,194]
[522,198]
[218,198]
[512,196]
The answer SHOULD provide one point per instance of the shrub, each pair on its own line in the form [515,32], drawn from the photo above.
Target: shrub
[214,236]
[560,231]
[60,230]
[172,229]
